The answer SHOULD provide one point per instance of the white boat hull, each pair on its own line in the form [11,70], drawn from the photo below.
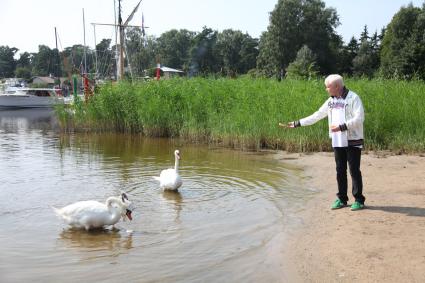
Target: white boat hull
[22,99]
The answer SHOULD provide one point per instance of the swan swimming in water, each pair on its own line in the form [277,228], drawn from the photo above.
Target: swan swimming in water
[169,179]
[93,214]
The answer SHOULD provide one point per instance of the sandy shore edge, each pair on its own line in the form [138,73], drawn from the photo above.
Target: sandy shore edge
[383,243]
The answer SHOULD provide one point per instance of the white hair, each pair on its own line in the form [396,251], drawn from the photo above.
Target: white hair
[334,78]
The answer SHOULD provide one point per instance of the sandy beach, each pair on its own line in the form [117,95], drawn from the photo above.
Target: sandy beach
[385,242]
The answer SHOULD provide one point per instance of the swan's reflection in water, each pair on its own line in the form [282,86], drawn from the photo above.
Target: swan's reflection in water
[175,198]
[114,240]
[219,227]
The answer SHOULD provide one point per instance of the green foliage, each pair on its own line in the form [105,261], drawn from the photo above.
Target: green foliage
[203,53]
[39,85]
[267,66]
[394,113]
[174,47]
[304,66]
[403,51]
[7,61]
[246,112]
[141,52]
[46,62]
[366,61]
[364,36]
[398,52]
[74,58]
[23,72]
[24,60]
[105,59]
[237,51]
[295,23]
[346,56]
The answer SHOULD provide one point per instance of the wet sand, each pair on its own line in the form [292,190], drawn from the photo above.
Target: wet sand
[385,242]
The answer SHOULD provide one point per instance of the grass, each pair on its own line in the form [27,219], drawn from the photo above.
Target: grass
[244,113]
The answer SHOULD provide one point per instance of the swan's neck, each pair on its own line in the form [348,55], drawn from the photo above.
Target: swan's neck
[112,200]
[115,212]
[176,164]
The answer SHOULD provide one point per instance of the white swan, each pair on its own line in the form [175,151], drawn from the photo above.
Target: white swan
[169,179]
[93,214]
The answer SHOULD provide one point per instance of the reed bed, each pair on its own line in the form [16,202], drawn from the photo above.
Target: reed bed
[245,113]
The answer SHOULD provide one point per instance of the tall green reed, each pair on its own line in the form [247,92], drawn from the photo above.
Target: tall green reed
[245,112]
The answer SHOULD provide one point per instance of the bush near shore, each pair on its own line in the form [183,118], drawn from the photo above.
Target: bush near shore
[245,112]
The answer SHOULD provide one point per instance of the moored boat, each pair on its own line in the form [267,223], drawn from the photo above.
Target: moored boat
[30,98]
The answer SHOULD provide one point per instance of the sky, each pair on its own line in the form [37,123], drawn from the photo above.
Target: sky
[25,24]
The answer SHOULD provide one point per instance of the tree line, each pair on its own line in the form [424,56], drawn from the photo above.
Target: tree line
[300,41]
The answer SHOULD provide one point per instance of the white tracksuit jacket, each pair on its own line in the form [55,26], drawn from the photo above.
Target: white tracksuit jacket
[354,117]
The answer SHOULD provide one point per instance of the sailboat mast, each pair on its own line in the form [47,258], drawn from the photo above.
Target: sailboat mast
[58,62]
[116,40]
[84,48]
[95,52]
[121,29]
[56,38]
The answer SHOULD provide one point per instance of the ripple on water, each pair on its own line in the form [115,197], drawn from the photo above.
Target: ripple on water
[221,224]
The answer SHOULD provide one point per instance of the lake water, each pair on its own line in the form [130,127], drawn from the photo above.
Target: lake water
[227,223]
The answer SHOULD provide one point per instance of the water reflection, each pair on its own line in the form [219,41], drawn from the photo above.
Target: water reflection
[97,239]
[24,119]
[175,199]
[220,225]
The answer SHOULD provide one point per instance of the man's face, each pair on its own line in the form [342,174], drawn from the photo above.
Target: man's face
[333,89]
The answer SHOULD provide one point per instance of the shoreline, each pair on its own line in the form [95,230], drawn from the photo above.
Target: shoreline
[385,242]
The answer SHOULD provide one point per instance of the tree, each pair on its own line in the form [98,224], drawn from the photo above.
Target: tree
[237,52]
[403,51]
[105,59]
[347,54]
[248,53]
[42,61]
[56,68]
[304,66]
[24,60]
[23,72]
[174,48]
[267,64]
[375,42]
[365,63]
[7,61]
[23,66]
[46,62]
[294,23]
[141,51]
[364,36]
[74,58]
[203,54]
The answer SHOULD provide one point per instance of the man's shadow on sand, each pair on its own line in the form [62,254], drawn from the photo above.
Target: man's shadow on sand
[409,211]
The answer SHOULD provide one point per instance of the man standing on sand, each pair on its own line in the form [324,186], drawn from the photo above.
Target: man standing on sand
[345,113]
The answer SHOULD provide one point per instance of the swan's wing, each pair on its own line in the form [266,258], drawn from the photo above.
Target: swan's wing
[76,212]
[167,174]
[170,179]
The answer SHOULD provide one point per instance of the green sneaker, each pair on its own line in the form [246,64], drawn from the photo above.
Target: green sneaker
[338,204]
[357,206]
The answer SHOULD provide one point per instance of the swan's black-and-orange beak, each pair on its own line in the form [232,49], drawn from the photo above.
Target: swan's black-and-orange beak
[128,214]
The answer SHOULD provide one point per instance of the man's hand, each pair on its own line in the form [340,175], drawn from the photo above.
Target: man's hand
[287,125]
[335,129]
